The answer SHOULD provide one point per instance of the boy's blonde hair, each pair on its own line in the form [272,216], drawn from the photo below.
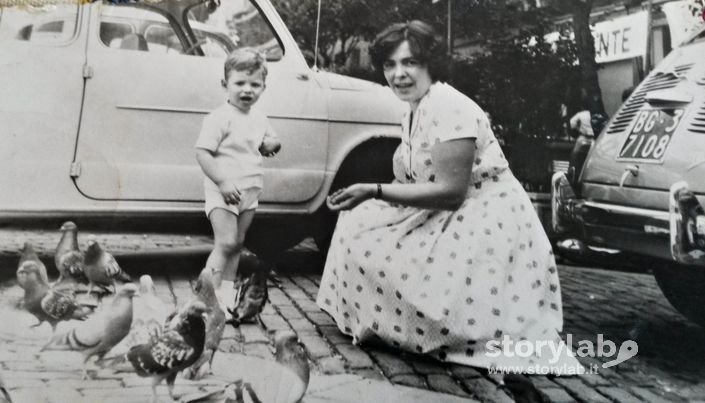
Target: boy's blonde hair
[245,59]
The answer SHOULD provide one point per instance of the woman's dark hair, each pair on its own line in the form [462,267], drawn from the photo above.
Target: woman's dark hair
[425,44]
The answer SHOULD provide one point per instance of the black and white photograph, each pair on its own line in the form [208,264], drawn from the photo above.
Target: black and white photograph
[282,201]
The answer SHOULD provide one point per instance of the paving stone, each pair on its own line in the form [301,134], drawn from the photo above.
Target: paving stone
[290,312]
[134,380]
[541,381]
[63,394]
[296,294]
[486,391]
[274,322]
[331,365]
[463,372]
[647,395]
[278,298]
[315,345]
[287,283]
[260,350]
[42,375]
[253,333]
[12,383]
[306,284]
[444,383]
[85,384]
[230,346]
[302,326]
[557,395]
[308,305]
[581,391]
[132,391]
[35,366]
[425,366]
[32,395]
[355,357]
[415,381]
[595,380]
[370,373]
[231,332]
[391,364]
[334,335]
[320,318]
[617,395]
[269,310]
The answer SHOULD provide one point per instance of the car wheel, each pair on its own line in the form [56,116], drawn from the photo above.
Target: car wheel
[683,287]
[371,162]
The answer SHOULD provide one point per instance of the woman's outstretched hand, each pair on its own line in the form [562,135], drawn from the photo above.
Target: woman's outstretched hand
[351,196]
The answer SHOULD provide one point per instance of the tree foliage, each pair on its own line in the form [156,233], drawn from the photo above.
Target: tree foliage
[345,22]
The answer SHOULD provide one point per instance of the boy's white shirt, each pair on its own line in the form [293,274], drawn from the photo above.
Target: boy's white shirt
[234,137]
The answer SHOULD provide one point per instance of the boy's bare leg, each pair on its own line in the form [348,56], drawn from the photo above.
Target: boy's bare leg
[243,224]
[225,234]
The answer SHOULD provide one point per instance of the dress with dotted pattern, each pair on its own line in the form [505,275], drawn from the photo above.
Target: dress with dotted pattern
[443,282]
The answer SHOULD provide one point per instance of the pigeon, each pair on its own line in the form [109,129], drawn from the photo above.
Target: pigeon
[101,268]
[45,303]
[251,298]
[283,381]
[101,332]
[4,393]
[215,325]
[523,389]
[29,255]
[147,321]
[177,348]
[68,257]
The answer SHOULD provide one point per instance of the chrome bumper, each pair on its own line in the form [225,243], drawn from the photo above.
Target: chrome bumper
[683,225]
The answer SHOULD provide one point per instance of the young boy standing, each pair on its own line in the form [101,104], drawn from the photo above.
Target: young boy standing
[230,146]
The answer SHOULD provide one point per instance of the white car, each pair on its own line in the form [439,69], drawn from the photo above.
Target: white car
[101,104]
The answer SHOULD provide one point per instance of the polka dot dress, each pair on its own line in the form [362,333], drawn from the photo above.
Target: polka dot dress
[440,282]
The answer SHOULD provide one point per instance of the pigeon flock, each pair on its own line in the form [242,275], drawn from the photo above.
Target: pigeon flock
[135,331]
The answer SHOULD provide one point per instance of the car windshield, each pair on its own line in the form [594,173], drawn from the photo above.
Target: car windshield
[238,22]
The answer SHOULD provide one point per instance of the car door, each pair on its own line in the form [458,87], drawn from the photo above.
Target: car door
[146,95]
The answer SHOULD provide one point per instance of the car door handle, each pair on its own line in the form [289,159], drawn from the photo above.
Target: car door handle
[302,76]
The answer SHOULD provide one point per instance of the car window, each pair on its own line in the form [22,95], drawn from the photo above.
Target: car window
[137,29]
[50,25]
[235,22]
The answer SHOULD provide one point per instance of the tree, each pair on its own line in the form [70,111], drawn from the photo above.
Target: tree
[585,44]
[345,22]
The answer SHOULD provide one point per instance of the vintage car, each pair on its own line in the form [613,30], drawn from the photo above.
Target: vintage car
[101,105]
[643,182]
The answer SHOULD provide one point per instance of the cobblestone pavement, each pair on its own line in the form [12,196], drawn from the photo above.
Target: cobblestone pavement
[619,306]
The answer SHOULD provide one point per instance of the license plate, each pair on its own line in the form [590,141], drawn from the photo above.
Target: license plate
[650,135]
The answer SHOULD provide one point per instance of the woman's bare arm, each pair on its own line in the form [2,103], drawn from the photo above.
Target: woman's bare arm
[453,161]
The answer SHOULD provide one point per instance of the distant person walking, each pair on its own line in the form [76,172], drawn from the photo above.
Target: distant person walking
[581,122]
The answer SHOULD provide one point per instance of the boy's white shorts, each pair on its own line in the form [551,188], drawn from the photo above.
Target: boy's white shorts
[248,200]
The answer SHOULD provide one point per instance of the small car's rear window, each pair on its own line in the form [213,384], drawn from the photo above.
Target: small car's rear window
[49,25]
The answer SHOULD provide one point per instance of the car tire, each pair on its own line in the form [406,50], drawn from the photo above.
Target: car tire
[371,162]
[683,287]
